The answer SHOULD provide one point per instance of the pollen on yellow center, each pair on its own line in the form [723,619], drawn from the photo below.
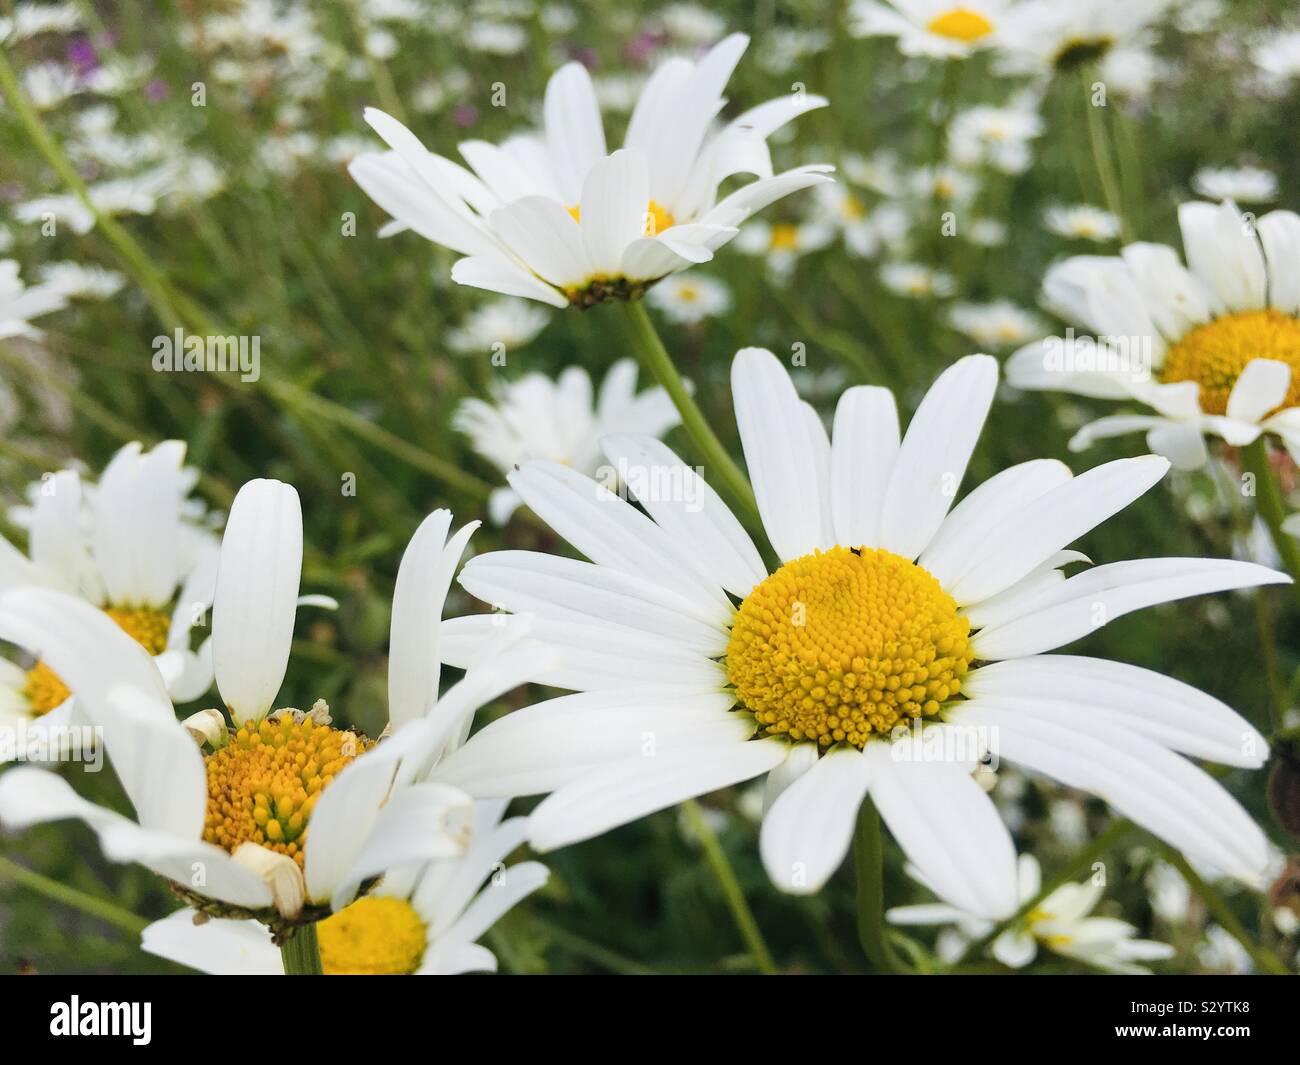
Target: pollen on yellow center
[844,644]
[148,626]
[1214,354]
[264,783]
[657,218]
[960,24]
[785,237]
[375,936]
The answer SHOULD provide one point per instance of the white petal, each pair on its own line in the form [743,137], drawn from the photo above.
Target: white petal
[575,139]
[256,599]
[1222,250]
[503,894]
[218,947]
[864,445]
[496,273]
[1279,233]
[614,198]
[545,236]
[1182,443]
[1260,388]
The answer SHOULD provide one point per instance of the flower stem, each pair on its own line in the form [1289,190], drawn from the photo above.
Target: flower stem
[1270,506]
[1103,159]
[740,911]
[300,953]
[1263,958]
[868,864]
[654,357]
[91,905]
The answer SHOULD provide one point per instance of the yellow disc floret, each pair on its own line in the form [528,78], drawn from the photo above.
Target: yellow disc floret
[1213,355]
[375,936]
[147,625]
[264,783]
[960,24]
[843,644]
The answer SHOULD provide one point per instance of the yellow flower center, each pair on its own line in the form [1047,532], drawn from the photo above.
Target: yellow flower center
[657,218]
[960,24]
[1214,354]
[785,237]
[265,782]
[843,644]
[148,626]
[375,936]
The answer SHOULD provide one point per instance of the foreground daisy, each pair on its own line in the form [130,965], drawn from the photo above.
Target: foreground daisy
[937,28]
[1061,923]
[894,646]
[1211,347]
[420,921]
[276,816]
[552,217]
[129,546]
[561,420]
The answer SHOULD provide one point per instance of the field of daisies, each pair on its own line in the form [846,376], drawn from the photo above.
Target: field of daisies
[549,487]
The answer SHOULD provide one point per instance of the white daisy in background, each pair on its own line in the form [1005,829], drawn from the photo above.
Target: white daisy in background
[48,84]
[509,323]
[1278,57]
[1082,222]
[30,20]
[1212,347]
[1241,184]
[940,29]
[994,325]
[1046,36]
[996,137]
[20,303]
[552,217]
[127,545]
[278,816]
[418,921]
[985,232]
[79,282]
[1170,896]
[917,281]
[1060,923]
[536,417]
[692,24]
[782,244]
[949,185]
[697,669]
[865,232]
[688,300]
[1220,952]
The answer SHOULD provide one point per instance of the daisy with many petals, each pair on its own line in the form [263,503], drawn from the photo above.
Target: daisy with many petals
[129,546]
[1212,347]
[894,645]
[417,921]
[1061,923]
[278,816]
[940,29]
[552,217]
[539,418]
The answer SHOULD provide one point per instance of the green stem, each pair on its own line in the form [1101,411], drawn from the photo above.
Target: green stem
[740,911]
[1264,959]
[1082,861]
[868,864]
[91,905]
[1270,506]
[654,357]
[1104,160]
[300,953]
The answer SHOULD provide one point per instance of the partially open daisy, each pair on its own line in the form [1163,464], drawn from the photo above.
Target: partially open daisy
[535,417]
[938,28]
[552,217]
[1061,923]
[128,545]
[1213,347]
[892,648]
[275,815]
[418,921]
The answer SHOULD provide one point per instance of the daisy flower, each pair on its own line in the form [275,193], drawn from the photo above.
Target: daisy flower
[561,420]
[20,303]
[276,816]
[511,323]
[1046,36]
[1242,184]
[1082,222]
[552,217]
[1061,923]
[994,325]
[689,300]
[1211,346]
[940,29]
[418,921]
[783,244]
[917,281]
[1278,56]
[894,646]
[997,137]
[128,546]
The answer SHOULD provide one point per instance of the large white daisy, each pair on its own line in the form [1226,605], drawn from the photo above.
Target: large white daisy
[698,668]
[1213,346]
[278,816]
[552,217]
[418,921]
[128,545]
